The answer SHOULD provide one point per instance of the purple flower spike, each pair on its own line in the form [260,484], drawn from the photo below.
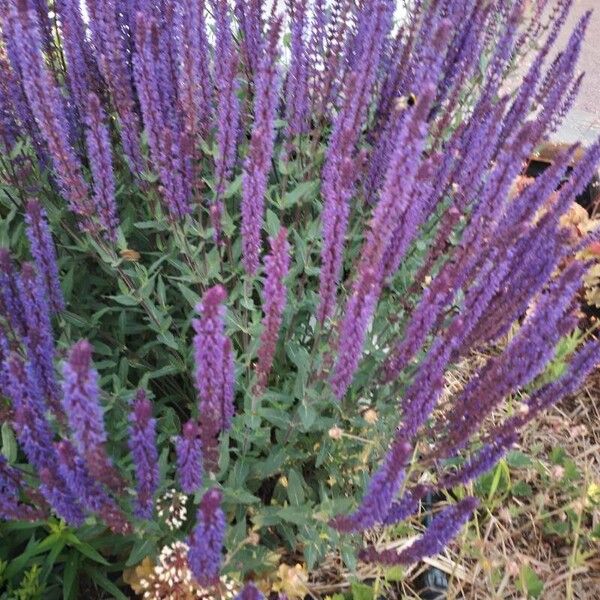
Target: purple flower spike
[383,487]
[39,337]
[91,494]
[250,592]
[112,55]
[228,107]
[258,161]
[296,89]
[11,485]
[341,162]
[194,77]
[82,71]
[54,489]
[214,371]
[442,530]
[399,204]
[10,303]
[49,111]
[142,444]
[189,458]
[250,19]
[44,253]
[168,145]
[35,438]
[81,403]
[100,156]
[275,297]
[206,540]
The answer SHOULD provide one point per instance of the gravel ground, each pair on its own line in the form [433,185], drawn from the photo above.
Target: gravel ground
[583,123]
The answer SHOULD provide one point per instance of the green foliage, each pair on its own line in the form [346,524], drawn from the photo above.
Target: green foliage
[282,475]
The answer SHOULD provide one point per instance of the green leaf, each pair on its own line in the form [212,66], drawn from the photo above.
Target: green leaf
[518,460]
[106,584]
[394,574]
[125,300]
[74,319]
[272,223]
[85,549]
[239,496]
[308,415]
[521,488]
[295,489]
[140,550]
[168,339]
[9,443]
[302,190]
[530,582]
[360,591]
[33,549]
[192,297]
[70,576]
[294,514]
[51,558]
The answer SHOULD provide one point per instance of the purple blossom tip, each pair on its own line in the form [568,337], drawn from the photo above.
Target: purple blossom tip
[189,458]
[214,373]
[143,446]
[438,535]
[250,592]
[44,253]
[206,540]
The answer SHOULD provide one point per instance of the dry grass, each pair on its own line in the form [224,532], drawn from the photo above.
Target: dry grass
[515,535]
[511,529]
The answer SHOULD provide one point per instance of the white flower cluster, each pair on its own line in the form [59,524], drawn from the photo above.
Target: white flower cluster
[171,507]
[171,579]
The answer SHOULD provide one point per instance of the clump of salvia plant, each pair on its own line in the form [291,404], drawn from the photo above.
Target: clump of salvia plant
[226,240]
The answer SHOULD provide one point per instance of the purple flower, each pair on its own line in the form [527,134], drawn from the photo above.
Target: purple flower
[4,353]
[206,540]
[10,303]
[98,146]
[142,444]
[397,205]
[258,161]
[383,487]
[44,253]
[524,358]
[296,86]
[194,84]
[250,19]
[341,165]
[481,463]
[47,107]
[11,486]
[90,493]
[228,109]
[82,71]
[167,144]
[338,30]
[30,409]
[189,458]
[81,403]
[12,76]
[406,506]
[111,53]
[36,439]
[438,535]
[39,337]
[214,371]
[54,490]
[9,128]
[275,296]
[250,592]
